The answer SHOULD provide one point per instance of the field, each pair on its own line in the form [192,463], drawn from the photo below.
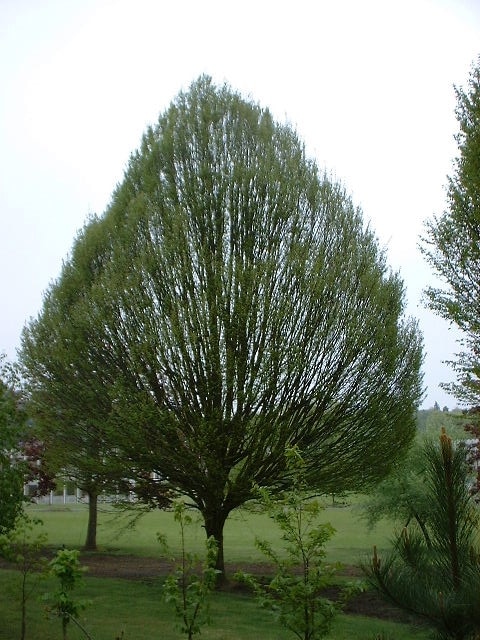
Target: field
[133,605]
[67,525]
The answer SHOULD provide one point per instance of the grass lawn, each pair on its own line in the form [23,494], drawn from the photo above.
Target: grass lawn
[67,525]
[137,610]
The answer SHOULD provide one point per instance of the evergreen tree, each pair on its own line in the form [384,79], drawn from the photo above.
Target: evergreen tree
[438,576]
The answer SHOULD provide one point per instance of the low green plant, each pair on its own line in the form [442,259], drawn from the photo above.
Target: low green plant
[301,573]
[66,567]
[23,546]
[186,588]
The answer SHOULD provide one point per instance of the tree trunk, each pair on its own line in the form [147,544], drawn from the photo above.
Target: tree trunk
[214,523]
[91,541]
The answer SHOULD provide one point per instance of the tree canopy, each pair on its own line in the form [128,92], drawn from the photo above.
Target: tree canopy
[237,305]
[451,245]
[71,394]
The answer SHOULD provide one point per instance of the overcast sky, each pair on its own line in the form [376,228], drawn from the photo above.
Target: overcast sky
[368,85]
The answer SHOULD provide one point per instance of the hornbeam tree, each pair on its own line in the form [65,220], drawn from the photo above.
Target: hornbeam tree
[242,307]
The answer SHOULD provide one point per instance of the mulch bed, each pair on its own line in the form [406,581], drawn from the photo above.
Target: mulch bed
[128,567]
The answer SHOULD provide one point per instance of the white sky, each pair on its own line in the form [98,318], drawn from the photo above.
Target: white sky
[367,83]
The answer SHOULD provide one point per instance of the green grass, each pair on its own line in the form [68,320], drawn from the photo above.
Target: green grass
[137,609]
[351,543]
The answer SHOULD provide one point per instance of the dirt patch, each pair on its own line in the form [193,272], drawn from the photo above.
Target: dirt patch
[127,567]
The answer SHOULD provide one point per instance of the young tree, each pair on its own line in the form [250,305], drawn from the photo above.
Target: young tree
[439,578]
[241,307]
[66,567]
[296,598]
[452,246]
[188,591]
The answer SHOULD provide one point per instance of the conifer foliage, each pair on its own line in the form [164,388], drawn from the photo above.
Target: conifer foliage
[438,576]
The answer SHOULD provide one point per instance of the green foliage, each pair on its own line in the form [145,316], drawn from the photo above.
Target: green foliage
[70,391]
[402,496]
[23,546]
[66,567]
[184,588]
[452,245]
[229,303]
[296,599]
[438,577]
[12,428]
[430,423]
[11,494]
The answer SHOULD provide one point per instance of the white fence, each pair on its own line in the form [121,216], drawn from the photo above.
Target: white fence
[58,498]
[77,497]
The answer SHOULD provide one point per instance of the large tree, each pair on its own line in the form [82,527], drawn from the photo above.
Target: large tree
[451,246]
[70,393]
[244,307]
